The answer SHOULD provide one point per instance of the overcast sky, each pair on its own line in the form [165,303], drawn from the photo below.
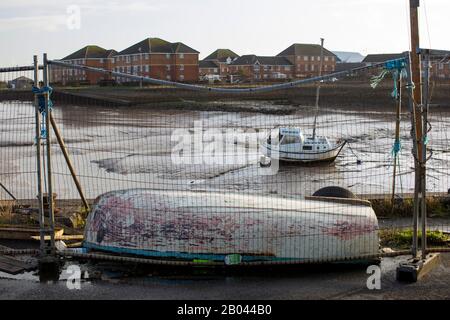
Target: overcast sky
[262,27]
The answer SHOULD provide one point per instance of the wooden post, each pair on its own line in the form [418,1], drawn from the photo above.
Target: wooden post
[419,194]
[48,124]
[69,163]
[37,116]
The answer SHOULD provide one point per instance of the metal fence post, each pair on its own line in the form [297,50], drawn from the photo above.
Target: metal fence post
[426,87]
[38,157]
[410,87]
[48,125]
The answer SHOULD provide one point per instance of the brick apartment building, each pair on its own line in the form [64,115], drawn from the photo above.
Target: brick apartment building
[217,64]
[306,59]
[258,68]
[440,62]
[92,56]
[208,69]
[158,58]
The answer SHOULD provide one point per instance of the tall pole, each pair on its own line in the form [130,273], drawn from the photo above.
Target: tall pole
[426,88]
[37,117]
[419,194]
[318,88]
[48,125]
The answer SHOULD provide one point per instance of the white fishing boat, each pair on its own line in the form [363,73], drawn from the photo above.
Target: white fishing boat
[231,228]
[292,145]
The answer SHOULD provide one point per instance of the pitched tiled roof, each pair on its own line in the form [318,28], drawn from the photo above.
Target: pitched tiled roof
[253,59]
[22,78]
[304,49]
[90,52]
[207,64]
[374,58]
[222,55]
[157,45]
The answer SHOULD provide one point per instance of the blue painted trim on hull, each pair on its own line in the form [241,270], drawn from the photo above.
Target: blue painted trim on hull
[179,255]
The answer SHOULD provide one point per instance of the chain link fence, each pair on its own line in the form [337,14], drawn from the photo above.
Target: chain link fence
[184,175]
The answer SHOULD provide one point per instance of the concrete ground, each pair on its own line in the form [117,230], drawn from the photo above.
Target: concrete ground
[331,282]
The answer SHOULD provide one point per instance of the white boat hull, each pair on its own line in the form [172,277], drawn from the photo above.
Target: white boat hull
[203,225]
[303,157]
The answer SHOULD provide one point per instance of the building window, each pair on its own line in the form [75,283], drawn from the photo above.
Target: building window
[147,68]
[168,67]
[135,58]
[102,61]
[167,55]
[181,67]
[312,67]
[287,68]
[312,58]
[326,58]
[215,70]
[127,59]
[168,77]
[181,77]
[305,58]
[146,56]
[181,55]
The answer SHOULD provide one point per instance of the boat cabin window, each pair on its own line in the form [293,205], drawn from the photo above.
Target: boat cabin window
[290,140]
[307,147]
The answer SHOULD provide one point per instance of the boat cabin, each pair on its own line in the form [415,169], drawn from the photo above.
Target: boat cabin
[293,138]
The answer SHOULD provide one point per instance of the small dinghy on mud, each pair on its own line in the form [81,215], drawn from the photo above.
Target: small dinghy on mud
[291,145]
[231,228]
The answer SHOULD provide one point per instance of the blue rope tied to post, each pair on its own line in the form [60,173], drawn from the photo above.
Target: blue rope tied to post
[396,148]
[41,103]
[395,67]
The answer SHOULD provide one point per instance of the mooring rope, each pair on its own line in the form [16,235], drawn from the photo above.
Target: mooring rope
[41,103]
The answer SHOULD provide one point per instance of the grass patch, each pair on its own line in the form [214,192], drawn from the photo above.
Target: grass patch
[402,239]
[436,207]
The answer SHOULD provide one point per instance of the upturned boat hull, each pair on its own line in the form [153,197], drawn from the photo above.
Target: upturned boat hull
[216,226]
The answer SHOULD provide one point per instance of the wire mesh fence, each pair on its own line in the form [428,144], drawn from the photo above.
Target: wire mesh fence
[193,179]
